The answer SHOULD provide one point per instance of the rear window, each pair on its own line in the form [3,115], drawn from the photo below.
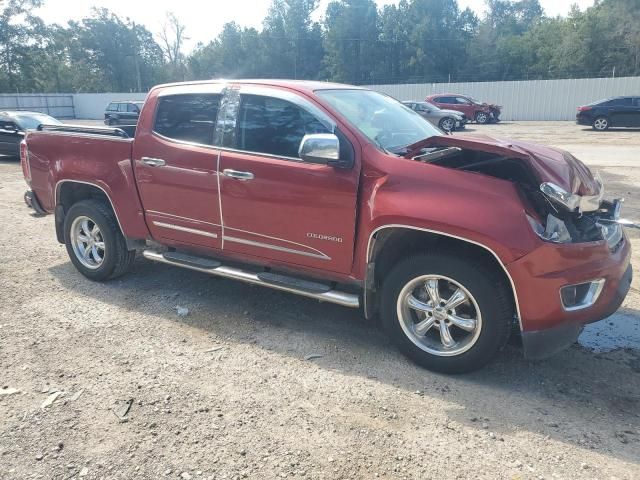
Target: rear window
[112,107]
[189,118]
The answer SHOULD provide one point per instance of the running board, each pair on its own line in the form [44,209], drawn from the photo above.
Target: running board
[278,282]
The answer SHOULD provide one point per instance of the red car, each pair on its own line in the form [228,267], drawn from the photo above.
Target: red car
[344,195]
[473,109]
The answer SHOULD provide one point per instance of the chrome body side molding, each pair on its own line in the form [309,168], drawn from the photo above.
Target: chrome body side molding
[185,229]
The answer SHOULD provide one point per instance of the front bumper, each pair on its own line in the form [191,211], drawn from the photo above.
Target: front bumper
[545,343]
[547,326]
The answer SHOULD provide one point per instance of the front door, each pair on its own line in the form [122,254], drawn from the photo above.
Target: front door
[274,205]
[10,138]
[176,168]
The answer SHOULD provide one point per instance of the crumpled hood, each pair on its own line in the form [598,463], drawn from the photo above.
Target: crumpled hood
[548,164]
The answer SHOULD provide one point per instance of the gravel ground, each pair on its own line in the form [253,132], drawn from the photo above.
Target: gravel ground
[252,383]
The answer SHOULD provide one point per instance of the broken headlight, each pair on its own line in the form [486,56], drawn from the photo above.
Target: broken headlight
[555,231]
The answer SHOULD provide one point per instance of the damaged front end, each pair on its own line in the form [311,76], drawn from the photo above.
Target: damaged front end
[563,199]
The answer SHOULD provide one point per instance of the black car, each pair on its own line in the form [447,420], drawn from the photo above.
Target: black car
[612,112]
[14,124]
[125,113]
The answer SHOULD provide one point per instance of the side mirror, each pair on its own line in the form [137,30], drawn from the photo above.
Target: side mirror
[321,148]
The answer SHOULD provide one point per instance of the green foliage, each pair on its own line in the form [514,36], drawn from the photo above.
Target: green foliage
[411,41]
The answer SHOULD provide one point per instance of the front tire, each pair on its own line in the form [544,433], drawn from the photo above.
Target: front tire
[447,124]
[601,124]
[447,312]
[94,242]
[482,117]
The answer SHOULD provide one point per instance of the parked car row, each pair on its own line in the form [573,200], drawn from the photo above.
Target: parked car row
[13,126]
[610,112]
[123,113]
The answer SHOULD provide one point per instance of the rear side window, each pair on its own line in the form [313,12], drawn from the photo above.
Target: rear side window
[190,118]
[445,100]
[273,126]
[619,102]
[122,107]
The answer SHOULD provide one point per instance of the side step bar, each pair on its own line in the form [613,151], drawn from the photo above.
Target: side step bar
[278,282]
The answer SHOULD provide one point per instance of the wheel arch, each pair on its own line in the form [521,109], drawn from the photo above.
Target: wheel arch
[69,192]
[389,243]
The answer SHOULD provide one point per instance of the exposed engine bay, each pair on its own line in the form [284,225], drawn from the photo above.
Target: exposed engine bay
[554,214]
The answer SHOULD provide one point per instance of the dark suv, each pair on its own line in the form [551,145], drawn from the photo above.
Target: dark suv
[126,113]
[612,112]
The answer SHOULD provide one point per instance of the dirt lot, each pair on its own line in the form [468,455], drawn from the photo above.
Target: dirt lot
[226,391]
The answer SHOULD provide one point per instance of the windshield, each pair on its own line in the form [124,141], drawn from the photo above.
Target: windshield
[382,119]
[32,121]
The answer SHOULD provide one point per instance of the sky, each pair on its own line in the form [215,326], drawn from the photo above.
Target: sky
[204,24]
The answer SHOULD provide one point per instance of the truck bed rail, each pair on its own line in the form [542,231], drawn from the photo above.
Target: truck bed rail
[82,129]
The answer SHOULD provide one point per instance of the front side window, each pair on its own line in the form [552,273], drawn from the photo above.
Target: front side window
[189,118]
[382,119]
[273,126]
[444,99]
[462,101]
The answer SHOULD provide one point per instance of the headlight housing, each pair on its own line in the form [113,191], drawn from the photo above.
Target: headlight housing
[555,231]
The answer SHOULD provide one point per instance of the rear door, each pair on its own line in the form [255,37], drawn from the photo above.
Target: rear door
[274,205]
[622,112]
[635,112]
[176,167]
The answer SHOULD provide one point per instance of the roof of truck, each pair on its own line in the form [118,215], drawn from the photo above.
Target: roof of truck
[303,85]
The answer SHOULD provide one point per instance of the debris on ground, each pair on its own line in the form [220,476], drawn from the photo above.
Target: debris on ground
[122,408]
[8,391]
[50,399]
[76,395]
[313,356]
[182,311]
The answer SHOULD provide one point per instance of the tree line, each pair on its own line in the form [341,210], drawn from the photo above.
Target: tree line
[355,42]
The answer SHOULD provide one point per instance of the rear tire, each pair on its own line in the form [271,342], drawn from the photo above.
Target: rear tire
[600,124]
[94,241]
[475,329]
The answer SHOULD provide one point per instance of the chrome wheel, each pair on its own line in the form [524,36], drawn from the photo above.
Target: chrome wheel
[439,315]
[482,117]
[87,242]
[447,124]
[601,124]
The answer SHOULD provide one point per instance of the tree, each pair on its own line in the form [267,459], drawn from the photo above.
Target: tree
[20,36]
[352,41]
[173,38]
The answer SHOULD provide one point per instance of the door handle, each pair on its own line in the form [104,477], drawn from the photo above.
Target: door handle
[153,162]
[244,176]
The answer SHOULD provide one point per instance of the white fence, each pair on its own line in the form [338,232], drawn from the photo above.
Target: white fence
[526,100]
[56,105]
[92,105]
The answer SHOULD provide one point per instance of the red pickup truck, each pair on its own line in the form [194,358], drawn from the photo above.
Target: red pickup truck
[344,195]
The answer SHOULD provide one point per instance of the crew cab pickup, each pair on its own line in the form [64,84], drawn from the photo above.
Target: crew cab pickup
[344,195]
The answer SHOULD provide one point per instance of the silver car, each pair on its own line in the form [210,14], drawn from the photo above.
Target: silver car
[447,120]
